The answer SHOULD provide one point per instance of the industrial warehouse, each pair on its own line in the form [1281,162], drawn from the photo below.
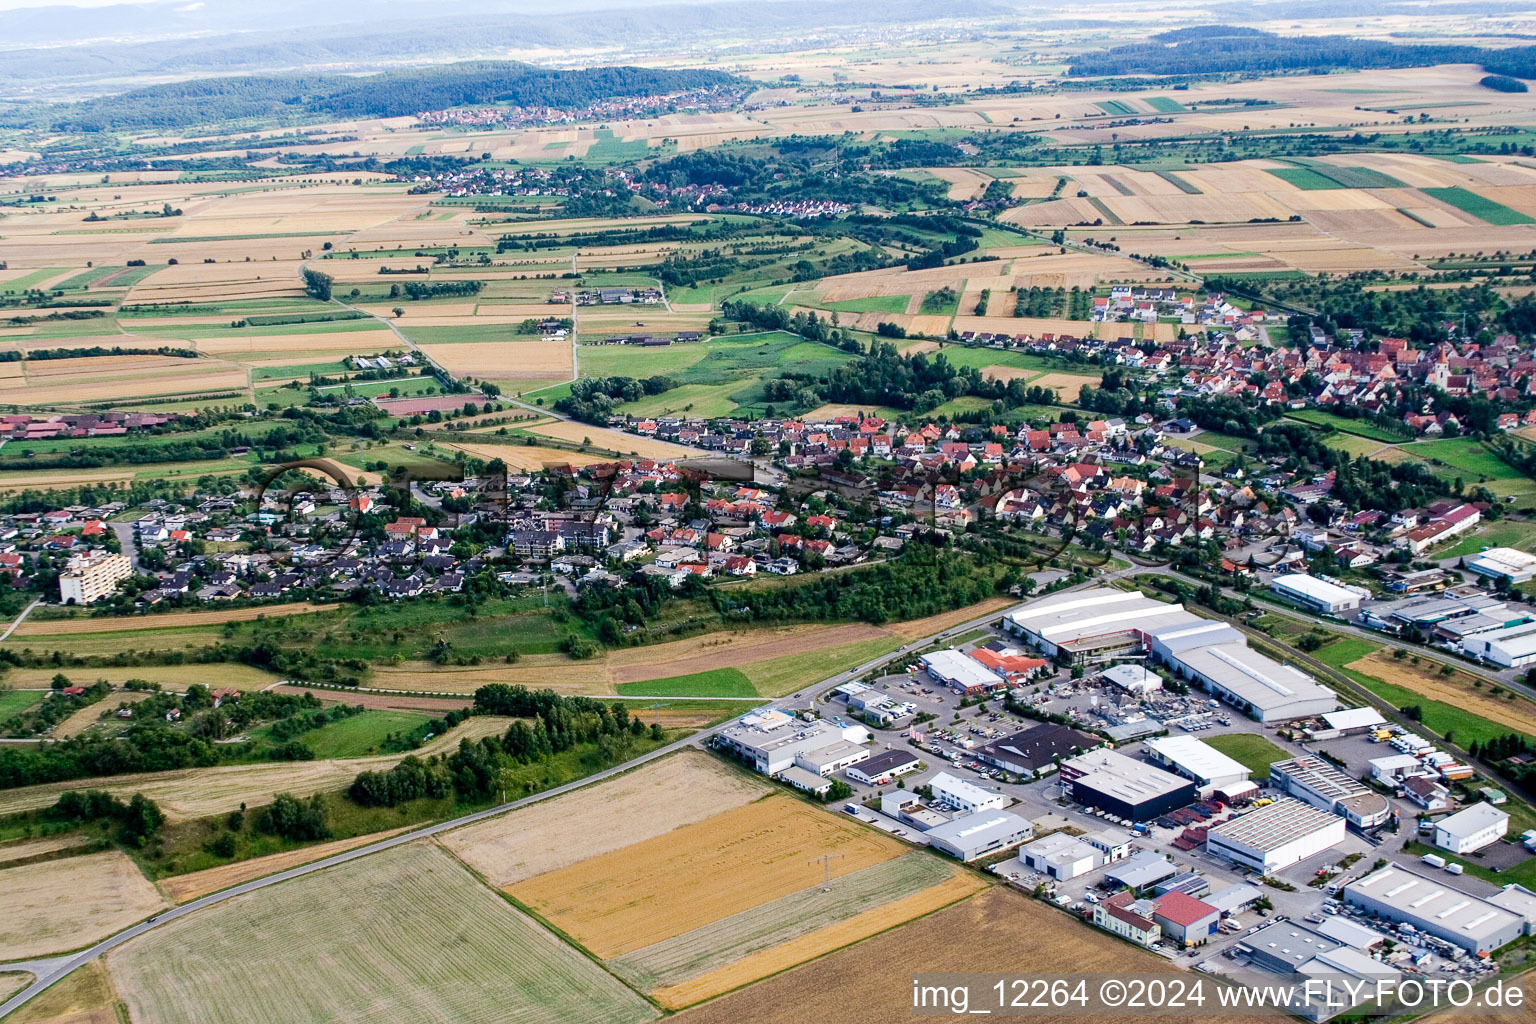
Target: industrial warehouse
[1395,893]
[1316,594]
[1210,769]
[1124,787]
[1103,622]
[1316,782]
[1277,836]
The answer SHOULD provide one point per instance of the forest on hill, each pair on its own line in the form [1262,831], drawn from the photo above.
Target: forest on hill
[1226,49]
[292,99]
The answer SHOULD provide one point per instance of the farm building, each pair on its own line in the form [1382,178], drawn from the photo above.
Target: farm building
[1216,656]
[1093,621]
[1194,759]
[1504,563]
[1430,905]
[1277,836]
[1144,869]
[1183,918]
[961,672]
[1317,594]
[772,741]
[1507,647]
[1471,829]
[883,768]
[1312,780]
[1034,751]
[976,835]
[1134,679]
[1060,856]
[1125,787]
[965,796]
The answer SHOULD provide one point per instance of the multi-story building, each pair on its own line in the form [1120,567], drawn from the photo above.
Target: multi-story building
[89,578]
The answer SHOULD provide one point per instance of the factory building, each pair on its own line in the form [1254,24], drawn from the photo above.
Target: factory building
[965,796]
[1208,767]
[1277,836]
[1471,829]
[961,672]
[1094,621]
[976,835]
[882,768]
[1145,869]
[1316,594]
[1312,780]
[771,741]
[1183,918]
[1060,856]
[1217,656]
[1121,786]
[1034,751]
[1504,563]
[1507,647]
[1133,679]
[1430,905]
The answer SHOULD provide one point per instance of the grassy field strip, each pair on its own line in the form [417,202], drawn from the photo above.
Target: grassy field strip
[733,938]
[407,936]
[1254,751]
[196,792]
[824,940]
[194,884]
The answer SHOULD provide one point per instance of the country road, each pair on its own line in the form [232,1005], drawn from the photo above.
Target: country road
[49,970]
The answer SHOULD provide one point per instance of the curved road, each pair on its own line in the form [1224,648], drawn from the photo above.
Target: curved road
[50,970]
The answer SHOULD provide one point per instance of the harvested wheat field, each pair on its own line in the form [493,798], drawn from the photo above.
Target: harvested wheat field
[60,905]
[651,801]
[196,792]
[524,456]
[916,628]
[745,947]
[407,937]
[616,441]
[169,620]
[628,899]
[190,886]
[170,677]
[84,996]
[1066,385]
[1518,714]
[741,647]
[509,360]
[554,671]
[26,849]
[997,930]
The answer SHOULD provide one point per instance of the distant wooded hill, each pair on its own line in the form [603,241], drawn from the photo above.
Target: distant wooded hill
[291,99]
[1225,49]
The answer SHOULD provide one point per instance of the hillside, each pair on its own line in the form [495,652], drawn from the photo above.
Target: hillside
[299,98]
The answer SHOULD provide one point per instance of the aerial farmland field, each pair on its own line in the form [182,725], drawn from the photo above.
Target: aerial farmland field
[619,902]
[386,926]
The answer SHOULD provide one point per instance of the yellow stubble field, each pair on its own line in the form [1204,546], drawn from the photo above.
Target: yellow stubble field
[630,898]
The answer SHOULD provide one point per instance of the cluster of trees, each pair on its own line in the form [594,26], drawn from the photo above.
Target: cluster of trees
[137,821]
[97,350]
[592,399]
[317,284]
[547,724]
[1225,49]
[924,581]
[1048,302]
[435,289]
[298,98]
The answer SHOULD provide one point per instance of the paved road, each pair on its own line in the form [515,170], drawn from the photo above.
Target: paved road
[20,619]
[128,540]
[47,971]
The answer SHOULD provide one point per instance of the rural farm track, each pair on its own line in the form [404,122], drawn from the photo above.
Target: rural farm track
[49,970]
